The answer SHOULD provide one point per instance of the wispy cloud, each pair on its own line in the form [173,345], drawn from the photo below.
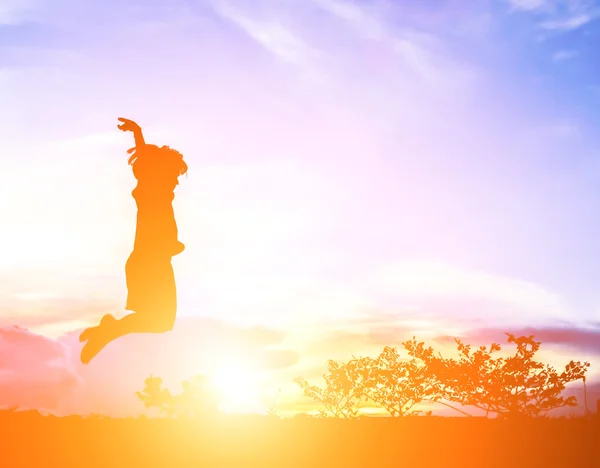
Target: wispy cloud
[575,338]
[562,55]
[419,50]
[15,11]
[559,15]
[557,128]
[528,5]
[359,17]
[458,293]
[564,129]
[271,34]
[567,24]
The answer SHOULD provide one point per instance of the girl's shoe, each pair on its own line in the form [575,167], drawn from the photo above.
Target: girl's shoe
[97,338]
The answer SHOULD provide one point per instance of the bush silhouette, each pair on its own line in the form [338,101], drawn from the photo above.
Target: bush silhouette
[516,385]
[390,381]
[510,386]
[344,389]
[196,398]
[398,384]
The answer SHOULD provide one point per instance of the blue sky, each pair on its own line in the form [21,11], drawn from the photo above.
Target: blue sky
[357,168]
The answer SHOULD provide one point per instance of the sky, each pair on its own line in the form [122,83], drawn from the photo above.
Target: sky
[359,172]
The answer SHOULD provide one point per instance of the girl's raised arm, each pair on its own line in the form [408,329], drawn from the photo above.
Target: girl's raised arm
[131,126]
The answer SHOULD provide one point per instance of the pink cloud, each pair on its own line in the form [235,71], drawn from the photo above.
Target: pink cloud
[34,371]
[577,339]
[40,373]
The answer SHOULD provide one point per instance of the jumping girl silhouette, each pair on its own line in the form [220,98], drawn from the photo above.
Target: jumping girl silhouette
[151,292]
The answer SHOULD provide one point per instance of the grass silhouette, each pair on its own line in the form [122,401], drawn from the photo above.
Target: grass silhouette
[29,439]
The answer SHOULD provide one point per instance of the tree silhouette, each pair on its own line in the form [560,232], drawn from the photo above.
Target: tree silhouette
[394,383]
[154,396]
[196,398]
[507,386]
[344,388]
[516,385]
[398,384]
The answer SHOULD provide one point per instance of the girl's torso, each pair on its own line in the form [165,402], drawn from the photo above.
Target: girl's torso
[156,229]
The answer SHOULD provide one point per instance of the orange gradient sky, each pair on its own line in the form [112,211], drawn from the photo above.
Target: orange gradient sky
[360,172]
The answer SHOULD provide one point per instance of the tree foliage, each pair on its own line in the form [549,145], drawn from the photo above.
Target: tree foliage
[507,386]
[515,385]
[343,392]
[195,399]
[398,384]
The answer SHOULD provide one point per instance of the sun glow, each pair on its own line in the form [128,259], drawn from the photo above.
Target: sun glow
[238,389]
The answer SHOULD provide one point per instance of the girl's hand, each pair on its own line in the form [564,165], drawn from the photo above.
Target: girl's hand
[129,125]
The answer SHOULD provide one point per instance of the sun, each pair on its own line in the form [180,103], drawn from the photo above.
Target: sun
[238,388]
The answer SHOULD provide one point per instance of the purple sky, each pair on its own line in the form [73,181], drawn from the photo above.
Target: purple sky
[357,169]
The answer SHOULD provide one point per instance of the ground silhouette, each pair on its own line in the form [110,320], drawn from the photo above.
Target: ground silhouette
[151,289]
[517,388]
[29,439]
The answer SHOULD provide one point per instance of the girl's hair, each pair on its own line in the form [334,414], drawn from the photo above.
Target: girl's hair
[163,160]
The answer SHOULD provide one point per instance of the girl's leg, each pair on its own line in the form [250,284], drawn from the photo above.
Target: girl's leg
[151,293]
[110,329]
